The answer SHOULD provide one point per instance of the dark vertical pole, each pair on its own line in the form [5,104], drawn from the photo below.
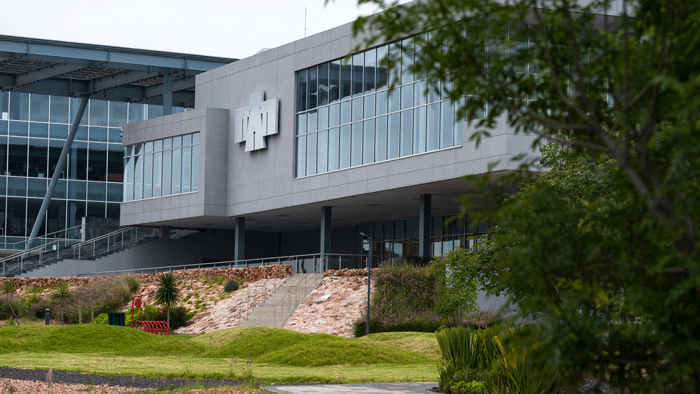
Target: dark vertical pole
[57,172]
[239,243]
[168,93]
[369,281]
[424,249]
[326,216]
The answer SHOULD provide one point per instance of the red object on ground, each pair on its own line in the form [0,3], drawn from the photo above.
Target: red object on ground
[154,327]
[135,303]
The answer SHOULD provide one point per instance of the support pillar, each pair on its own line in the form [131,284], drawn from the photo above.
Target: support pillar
[326,215]
[424,249]
[168,93]
[57,172]
[239,242]
[164,232]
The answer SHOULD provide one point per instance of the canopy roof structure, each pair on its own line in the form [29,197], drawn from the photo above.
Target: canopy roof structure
[61,68]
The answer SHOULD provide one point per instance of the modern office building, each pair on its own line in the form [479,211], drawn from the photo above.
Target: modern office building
[295,150]
[41,85]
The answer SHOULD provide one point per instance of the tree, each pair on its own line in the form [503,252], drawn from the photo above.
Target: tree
[9,288]
[168,293]
[603,249]
[61,295]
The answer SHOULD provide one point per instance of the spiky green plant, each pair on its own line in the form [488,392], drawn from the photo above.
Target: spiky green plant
[168,293]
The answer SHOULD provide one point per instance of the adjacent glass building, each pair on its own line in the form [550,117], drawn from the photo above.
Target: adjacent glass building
[33,130]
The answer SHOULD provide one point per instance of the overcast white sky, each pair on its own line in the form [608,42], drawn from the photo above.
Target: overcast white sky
[233,28]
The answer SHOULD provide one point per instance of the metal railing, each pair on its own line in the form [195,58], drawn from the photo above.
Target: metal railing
[50,246]
[299,264]
[115,240]
[68,234]
[285,307]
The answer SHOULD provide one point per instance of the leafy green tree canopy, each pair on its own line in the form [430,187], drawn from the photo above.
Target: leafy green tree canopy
[603,248]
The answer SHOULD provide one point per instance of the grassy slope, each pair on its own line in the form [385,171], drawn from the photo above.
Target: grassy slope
[269,354]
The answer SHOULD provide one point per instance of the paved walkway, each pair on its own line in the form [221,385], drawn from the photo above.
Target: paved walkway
[378,388]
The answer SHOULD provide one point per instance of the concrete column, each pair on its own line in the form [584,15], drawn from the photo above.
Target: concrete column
[168,93]
[424,247]
[164,232]
[239,242]
[326,213]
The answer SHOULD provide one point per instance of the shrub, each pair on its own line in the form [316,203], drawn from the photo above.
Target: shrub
[231,285]
[496,357]
[7,308]
[104,296]
[472,387]
[102,318]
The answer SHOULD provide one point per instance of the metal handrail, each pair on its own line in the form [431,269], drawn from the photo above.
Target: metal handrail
[45,236]
[323,260]
[91,243]
[40,250]
[262,261]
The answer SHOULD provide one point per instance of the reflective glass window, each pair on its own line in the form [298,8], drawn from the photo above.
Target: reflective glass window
[333,149]
[154,111]
[74,106]
[186,169]
[313,88]
[301,90]
[356,150]
[358,61]
[323,118]
[311,121]
[368,142]
[301,124]
[19,106]
[138,178]
[77,190]
[20,129]
[323,84]
[97,191]
[98,134]
[345,112]
[36,187]
[39,108]
[157,174]
[59,109]
[419,133]
[406,132]
[433,126]
[40,130]
[117,113]
[58,131]
[345,140]
[381,139]
[115,163]
[82,133]
[394,100]
[357,109]
[137,112]
[369,106]
[114,192]
[167,172]
[38,155]
[446,124]
[148,175]
[334,81]
[345,79]
[382,75]
[176,171]
[381,102]
[195,165]
[334,115]
[129,179]
[311,145]
[115,135]
[322,163]
[301,156]
[394,136]
[370,69]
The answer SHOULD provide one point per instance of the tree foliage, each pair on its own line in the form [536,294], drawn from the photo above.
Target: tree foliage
[602,249]
[9,288]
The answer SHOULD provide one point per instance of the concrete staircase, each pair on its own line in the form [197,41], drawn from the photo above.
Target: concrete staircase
[277,309]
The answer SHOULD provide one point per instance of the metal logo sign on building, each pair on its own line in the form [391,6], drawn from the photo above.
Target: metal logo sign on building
[256,121]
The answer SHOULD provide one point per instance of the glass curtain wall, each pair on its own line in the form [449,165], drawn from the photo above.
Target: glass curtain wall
[346,116]
[400,238]
[162,167]
[33,130]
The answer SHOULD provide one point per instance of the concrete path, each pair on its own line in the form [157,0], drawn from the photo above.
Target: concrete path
[378,388]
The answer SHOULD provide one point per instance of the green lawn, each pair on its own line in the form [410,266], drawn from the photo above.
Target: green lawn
[269,355]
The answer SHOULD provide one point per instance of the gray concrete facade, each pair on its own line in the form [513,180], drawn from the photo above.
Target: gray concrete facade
[261,185]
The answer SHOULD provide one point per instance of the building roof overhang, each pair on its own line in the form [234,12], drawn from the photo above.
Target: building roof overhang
[59,68]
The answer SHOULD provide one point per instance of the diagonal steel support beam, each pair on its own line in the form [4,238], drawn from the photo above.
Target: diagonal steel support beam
[57,172]
[46,73]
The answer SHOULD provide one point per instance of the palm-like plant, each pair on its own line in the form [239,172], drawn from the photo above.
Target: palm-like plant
[9,288]
[168,293]
[61,295]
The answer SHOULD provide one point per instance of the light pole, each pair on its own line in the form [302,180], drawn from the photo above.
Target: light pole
[369,276]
